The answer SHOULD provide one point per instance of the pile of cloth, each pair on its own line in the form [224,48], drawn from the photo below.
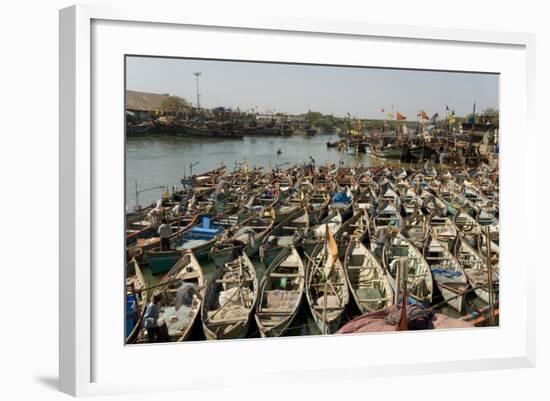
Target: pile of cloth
[387,319]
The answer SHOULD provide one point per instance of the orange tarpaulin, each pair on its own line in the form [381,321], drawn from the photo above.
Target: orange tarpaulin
[401,117]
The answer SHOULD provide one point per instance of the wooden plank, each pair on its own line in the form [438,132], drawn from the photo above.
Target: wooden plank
[322,285]
[285,275]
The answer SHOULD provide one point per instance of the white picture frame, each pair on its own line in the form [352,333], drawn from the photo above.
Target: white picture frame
[92,363]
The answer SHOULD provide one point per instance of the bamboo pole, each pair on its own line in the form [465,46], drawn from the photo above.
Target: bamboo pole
[490,276]
[325,309]
[397,285]
[162,284]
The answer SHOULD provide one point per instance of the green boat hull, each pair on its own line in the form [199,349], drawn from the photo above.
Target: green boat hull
[162,262]
[221,256]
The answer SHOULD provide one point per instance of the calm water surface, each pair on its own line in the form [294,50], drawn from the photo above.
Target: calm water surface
[163,161]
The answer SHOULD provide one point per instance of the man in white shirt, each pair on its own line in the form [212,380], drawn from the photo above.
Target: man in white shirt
[165,231]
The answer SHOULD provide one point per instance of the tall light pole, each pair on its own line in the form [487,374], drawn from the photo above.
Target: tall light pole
[197,75]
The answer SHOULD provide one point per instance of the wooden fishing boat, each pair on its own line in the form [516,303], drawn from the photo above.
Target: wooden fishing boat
[486,219]
[248,235]
[317,204]
[229,300]
[280,293]
[326,289]
[475,268]
[367,280]
[431,203]
[288,233]
[386,217]
[289,207]
[456,201]
[357,227]
[136,300]
[143,245]
[447,272]
[390,151]
[199,239]
[317,233]
[366,199]
[343,202]
[444,229]
[419,278]
[416,228]
[139,229]
[180,318]
[262,199]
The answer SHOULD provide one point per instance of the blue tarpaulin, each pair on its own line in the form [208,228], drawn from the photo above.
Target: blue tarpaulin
[341,197]
[443,272]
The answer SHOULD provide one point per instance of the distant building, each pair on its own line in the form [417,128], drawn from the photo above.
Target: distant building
[142,106]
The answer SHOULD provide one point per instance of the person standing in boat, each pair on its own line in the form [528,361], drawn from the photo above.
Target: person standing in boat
[151,319]
[165,231]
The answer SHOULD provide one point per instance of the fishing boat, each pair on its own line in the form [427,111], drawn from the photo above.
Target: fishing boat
[136,300]
[139,229]
[367,280]
[280,293]
[390,151]
[386,217]
[199,239]
[444,229]
[317,204]
[416,228]
[419,277]
[357,227]
[475,268]
[230,299]
[291,205]
[178,227]
[467,224]
[447,272]
[317,233]
[486,219]
[288,233]
[326,286]
[343,201]
[179,317]
[262,199]
[248,235]
[431,203]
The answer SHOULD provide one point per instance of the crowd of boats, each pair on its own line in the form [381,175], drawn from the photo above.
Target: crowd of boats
[219,129]
[468,148]
[331,237]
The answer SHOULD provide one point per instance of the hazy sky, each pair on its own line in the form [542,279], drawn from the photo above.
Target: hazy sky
[295,89]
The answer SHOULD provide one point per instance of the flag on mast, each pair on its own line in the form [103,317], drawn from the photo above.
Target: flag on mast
[423,115]
[332,251]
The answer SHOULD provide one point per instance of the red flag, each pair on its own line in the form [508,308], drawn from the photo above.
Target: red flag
[401,117]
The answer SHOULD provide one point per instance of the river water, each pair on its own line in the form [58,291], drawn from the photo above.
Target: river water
[163,161]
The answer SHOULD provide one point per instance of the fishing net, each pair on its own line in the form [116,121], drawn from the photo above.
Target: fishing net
[178,321]
[280,299]
[234,303]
